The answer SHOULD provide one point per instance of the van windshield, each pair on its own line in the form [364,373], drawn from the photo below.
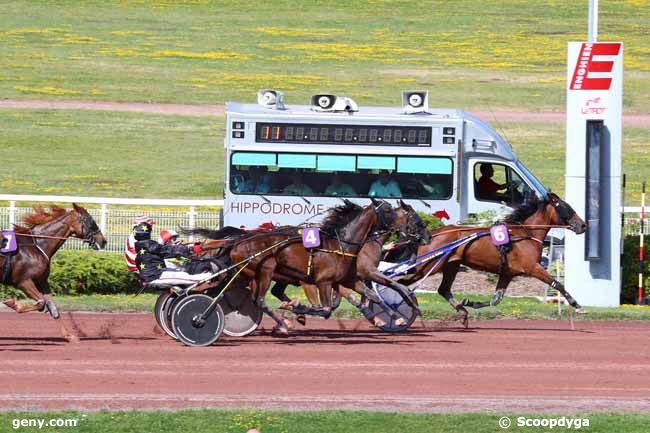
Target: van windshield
[537,184]
[342,175]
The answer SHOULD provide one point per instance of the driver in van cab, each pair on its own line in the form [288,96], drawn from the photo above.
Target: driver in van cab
[487,188]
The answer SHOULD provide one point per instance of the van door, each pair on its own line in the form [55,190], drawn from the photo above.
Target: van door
[495,185]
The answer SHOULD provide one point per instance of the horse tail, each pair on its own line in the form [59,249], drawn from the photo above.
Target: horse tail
[223,233]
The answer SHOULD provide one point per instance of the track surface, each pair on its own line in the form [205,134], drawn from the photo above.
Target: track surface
[527,366]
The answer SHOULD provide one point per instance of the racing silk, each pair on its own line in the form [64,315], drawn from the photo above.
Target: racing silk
[129,254]
[150,257]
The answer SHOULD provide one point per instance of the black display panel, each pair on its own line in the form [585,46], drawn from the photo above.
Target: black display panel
[369,135]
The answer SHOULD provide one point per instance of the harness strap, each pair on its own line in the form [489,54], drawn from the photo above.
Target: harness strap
[339,252]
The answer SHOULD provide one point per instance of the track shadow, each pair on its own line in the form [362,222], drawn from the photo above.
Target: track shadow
[36,341]
[340,337]
[488,328]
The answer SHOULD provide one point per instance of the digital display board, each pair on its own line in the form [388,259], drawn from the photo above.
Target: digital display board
[370,135]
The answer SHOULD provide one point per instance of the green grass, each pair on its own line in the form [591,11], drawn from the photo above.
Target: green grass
[95,153]
[433,307]
[228,421]
[501,54]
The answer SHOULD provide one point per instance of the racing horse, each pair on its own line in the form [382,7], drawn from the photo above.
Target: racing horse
[527,226]
[413,232]
[37,241]
[344,232]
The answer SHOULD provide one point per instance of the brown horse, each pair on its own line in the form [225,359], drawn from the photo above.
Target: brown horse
[527,225]
[343,233]
[414,231]
[38,240]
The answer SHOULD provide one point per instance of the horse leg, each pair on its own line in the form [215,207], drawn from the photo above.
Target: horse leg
[264,275]
[30,290]
[502,284]
[540,273]
[449,272]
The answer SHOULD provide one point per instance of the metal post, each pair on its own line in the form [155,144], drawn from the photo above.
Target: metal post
[12,213]
[102,219]
[192,221]
[641,255]
[593,21]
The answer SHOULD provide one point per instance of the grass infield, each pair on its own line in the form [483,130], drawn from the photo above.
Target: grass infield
[230,421]
[110,154]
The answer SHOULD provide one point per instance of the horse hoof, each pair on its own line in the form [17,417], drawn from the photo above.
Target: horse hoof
[301,319]
[465,322]
[280,332]
[72,339]
[581,310]
[288,322]
[11,303]
[51,308]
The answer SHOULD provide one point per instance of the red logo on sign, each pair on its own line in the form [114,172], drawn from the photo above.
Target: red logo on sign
[586,65]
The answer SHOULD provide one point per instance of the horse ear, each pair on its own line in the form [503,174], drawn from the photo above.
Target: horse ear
[374,201]
[77,208]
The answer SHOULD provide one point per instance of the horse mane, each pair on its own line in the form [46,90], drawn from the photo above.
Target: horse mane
[524,210]
[39,216]
[340,216]
[223,233]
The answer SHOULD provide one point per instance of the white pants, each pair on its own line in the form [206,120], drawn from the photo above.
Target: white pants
[179,278]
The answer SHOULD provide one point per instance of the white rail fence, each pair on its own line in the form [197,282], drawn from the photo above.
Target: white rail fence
[115,216]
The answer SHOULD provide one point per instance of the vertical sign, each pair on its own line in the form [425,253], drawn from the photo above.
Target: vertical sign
[593,170]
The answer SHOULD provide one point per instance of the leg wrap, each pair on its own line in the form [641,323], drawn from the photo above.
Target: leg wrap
[559,287]
[497,298]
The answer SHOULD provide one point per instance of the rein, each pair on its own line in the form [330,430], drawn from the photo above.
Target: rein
[49,237]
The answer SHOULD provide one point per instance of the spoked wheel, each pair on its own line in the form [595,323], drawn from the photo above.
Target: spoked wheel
[162,311]
[242,315]
[187,323]
[393,300]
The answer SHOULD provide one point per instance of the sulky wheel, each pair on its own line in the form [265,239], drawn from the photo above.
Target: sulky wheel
[188,325]
[242,315]
[393,300]
[162,311]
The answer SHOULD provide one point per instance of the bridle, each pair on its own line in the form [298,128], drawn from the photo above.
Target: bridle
[90,228]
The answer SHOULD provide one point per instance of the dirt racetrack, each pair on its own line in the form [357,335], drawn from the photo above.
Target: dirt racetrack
[524,366]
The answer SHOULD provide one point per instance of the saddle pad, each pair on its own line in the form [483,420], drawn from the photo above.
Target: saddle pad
[9,243]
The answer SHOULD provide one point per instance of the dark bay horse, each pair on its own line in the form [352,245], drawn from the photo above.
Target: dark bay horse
[38,240]
[343,233]
[368,258]
[528,226]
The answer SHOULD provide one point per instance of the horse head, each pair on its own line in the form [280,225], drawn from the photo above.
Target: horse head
[384,213]
[85,227]
[415,228]
[564,214]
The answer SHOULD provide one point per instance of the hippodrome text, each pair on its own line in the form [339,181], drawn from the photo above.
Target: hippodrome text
[276,208]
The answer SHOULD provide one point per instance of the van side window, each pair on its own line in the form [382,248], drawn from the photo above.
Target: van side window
[499,183]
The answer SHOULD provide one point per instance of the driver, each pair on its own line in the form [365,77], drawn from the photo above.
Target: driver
[487,188]
[150,259]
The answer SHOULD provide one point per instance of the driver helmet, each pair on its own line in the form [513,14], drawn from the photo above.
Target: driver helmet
[166,236]
[143,219]
[142,231]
